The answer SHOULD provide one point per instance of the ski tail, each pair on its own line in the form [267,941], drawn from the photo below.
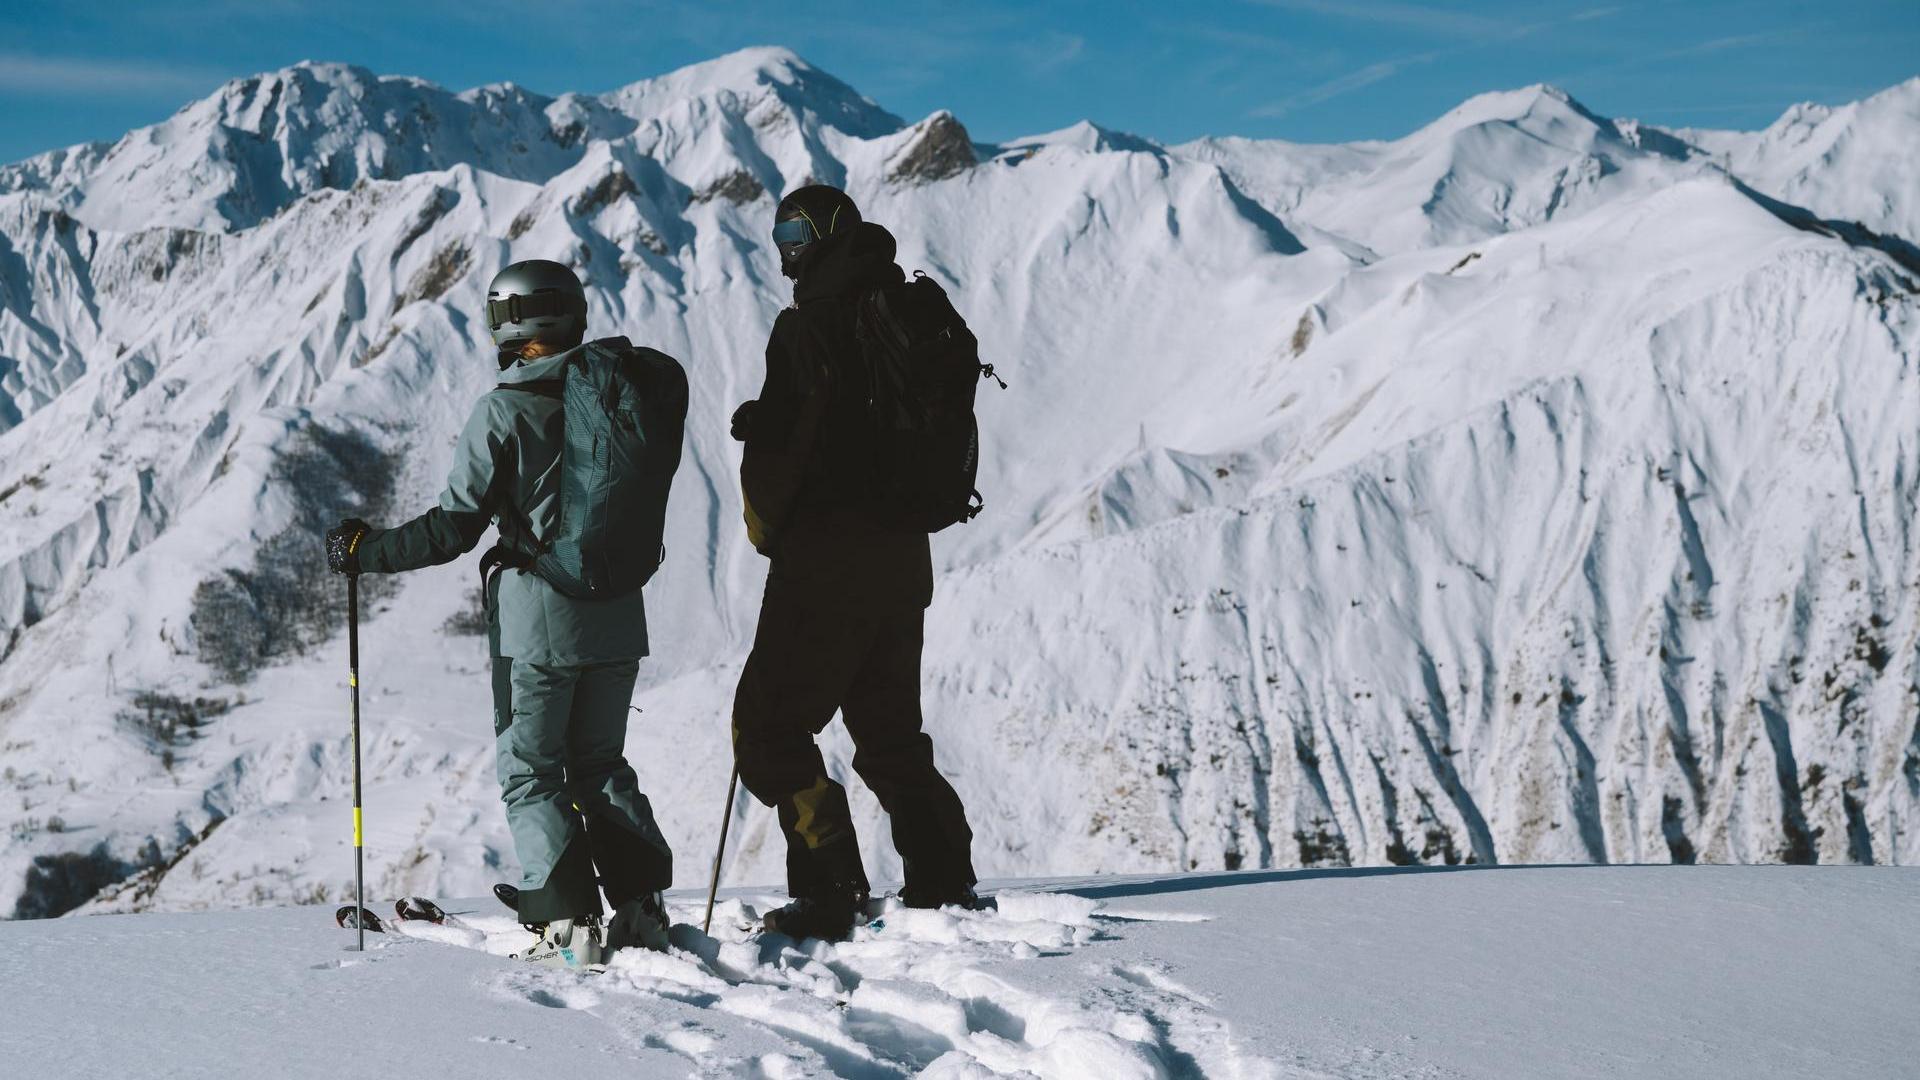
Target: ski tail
[354,917]
[419,908]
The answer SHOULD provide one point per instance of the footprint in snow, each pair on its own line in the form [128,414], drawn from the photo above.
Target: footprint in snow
[913,991]
[550,989]
[1131,915]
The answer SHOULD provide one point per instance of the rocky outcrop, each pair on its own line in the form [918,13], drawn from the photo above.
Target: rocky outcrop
[938,148]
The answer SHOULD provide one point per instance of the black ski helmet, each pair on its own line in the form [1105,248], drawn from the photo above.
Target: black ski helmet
[811,213]
[536,298]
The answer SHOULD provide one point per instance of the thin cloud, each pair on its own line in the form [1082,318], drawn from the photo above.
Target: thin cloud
[1345,84]
[1489,31]
[100,78]
[1064,49]
[1719,44]
[1595,13]
[1249,41]
[1417,16]
[1700,48]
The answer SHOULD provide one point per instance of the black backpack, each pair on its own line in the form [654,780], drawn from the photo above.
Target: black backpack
[923,366]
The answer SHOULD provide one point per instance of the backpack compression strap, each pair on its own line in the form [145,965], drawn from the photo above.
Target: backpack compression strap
[548,388]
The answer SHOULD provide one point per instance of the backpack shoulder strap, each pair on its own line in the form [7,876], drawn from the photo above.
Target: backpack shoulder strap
[876,316]
[496,499]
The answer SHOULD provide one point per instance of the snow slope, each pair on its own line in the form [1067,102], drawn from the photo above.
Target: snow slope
[1537,487]
[1855,162]
[1745,972]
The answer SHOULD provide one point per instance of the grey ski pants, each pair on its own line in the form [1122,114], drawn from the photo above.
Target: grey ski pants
[573,803]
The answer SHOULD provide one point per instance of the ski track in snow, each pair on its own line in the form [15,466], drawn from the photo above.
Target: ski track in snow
[911,993]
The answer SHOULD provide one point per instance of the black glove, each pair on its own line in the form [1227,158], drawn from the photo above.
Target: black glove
[743,420]
[343,545]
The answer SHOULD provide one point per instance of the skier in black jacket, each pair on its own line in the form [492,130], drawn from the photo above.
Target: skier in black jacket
[842,619]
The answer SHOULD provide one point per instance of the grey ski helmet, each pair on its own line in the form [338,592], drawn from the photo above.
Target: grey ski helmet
[536,298]
[806,214]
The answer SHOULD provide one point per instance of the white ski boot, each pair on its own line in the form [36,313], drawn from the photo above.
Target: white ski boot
[639,923]
[577,944]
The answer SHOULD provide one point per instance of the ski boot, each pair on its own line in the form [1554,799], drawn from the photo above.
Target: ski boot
[577,944]
[829,917]
[639,923]
[923,896]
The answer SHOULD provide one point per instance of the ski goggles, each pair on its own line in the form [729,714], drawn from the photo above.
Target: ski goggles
[519,308]
[796,232]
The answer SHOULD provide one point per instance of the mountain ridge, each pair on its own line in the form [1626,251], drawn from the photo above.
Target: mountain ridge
[1390,502]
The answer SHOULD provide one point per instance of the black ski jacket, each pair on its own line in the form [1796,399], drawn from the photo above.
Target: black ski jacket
[809,468]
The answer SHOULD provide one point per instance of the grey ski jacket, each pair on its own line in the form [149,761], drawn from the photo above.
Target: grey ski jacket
[505,472]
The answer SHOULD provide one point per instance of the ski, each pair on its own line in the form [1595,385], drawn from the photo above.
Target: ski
[352,917]
[419,909]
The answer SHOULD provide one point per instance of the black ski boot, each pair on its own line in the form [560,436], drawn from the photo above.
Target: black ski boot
[829,917]
[829,890]
[918,895]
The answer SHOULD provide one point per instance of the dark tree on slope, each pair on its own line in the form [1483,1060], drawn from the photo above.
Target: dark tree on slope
[286,601]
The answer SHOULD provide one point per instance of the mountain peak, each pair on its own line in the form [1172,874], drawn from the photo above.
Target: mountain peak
[260,142]
[776,61]
[758,71]
[314,75]
[1900,101]
[1540,101]
[1088,137]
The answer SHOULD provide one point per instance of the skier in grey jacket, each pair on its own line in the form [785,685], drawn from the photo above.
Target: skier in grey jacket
[563,668]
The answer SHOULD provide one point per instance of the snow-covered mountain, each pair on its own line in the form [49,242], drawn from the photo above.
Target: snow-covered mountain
[1534,487]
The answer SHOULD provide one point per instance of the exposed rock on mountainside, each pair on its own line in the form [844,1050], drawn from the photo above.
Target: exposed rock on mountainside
[937,149]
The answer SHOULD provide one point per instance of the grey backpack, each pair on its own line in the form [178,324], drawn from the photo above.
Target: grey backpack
[625,416]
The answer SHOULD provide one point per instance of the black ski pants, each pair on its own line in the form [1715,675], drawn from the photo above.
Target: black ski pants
[808,661]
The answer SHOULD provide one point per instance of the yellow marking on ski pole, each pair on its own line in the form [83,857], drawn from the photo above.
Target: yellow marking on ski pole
[356,827]
[353,680]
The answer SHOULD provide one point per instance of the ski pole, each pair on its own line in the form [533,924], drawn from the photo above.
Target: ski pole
[353,685]
[713,887]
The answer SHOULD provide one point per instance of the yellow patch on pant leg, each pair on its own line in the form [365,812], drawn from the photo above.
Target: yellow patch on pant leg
[807,803]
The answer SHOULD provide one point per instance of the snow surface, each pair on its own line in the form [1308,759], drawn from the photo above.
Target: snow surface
[1738,972]
[1537,487]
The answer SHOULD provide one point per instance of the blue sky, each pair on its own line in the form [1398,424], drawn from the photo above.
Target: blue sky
[1313,70]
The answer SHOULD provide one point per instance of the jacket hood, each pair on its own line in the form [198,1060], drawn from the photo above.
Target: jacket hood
[860,258]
